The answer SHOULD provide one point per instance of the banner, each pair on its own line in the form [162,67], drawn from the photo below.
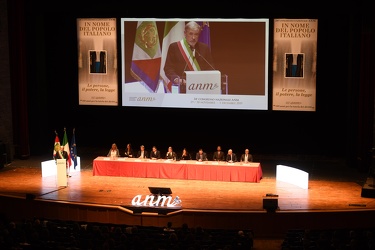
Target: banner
[97,61]
[294,64]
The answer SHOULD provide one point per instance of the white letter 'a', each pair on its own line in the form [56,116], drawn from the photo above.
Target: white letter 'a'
[136,201]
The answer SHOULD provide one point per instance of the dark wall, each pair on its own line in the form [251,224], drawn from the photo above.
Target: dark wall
[53,87]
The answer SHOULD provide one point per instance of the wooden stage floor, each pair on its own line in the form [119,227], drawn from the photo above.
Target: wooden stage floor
[332,188]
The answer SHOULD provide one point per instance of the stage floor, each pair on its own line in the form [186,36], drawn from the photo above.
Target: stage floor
[332,186]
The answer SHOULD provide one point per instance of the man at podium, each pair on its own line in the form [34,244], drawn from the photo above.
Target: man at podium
[61,154]
[187,55]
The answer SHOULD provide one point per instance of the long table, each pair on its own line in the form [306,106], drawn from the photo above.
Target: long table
[187,170]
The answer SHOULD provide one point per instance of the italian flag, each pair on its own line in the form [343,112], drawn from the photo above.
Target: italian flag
[66,148]
[173,32]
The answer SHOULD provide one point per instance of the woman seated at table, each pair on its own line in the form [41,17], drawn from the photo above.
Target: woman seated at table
[185,155]
[113,152]
[128,151]
[171,155]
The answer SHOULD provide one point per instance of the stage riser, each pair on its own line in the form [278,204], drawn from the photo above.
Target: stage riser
[263,223]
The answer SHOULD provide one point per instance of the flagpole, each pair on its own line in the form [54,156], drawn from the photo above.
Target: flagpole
[73,149]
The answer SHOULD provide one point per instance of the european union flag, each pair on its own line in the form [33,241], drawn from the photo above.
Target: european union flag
[73,149]
[205,36]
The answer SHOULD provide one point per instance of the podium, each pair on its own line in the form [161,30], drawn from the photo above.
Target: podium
[62,180]
[49,167]
[202,82]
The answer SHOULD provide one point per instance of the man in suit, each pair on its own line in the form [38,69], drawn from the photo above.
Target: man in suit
[201,156]
[187,55]
[218,154]
[155,153]
[231,157]
[61,154]
[247,157]
[142,153]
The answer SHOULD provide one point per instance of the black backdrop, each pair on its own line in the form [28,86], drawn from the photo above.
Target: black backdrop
[53,86]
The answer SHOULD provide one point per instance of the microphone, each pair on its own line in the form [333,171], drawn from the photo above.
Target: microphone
[192,49]
[204,59]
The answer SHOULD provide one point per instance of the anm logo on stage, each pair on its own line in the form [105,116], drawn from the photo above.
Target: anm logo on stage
[159,201]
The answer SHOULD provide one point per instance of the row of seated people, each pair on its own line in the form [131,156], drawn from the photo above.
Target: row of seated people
[155,154]
[42,233]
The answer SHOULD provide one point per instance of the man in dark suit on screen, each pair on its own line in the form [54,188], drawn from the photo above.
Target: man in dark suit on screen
[187,55]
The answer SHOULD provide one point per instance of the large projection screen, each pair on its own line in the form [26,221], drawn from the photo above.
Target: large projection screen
[237,78]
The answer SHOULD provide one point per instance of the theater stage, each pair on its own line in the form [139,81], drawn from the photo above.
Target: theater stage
[332,200]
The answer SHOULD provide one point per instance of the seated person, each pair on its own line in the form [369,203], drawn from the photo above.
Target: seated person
[142,153]
[185,155]
[128,151]
[168,228]
[201,156]
[114,152]
[155,153]
[247,157]
[231,157]
[171,155]
[218,154]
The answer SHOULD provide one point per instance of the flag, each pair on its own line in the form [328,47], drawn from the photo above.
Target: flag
[73,149]
[173,32]
[57,143]
[146,58]
[205,36]
[66,148]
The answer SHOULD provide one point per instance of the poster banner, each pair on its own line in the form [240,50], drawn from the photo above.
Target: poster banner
[97,61]
[294,64]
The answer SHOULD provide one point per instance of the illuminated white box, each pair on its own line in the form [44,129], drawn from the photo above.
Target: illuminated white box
[293,176]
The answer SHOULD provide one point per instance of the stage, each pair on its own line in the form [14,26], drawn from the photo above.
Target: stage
[333,198]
